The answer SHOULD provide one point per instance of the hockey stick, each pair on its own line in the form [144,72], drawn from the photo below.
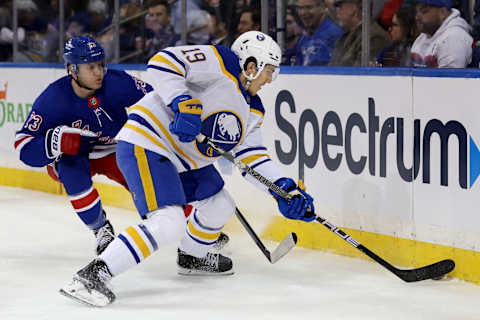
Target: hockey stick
[282,249]
[435,270]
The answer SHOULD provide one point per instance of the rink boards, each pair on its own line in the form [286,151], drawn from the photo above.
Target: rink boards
[389,155]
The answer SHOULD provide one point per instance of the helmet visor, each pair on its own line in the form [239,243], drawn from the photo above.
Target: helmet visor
[275,73]
[272,71]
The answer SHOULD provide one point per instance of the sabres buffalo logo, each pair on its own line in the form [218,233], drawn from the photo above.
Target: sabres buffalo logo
[224,128]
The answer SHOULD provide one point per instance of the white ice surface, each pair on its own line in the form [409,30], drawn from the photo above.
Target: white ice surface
[43,243]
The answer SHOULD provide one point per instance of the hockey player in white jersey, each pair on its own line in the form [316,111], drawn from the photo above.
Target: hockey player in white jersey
[197,89]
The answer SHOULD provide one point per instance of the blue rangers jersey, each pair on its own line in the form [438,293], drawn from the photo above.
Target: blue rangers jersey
[230,116]
[103,113]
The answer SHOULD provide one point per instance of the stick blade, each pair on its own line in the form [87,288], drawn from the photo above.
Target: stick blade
[284,247]
[435,270]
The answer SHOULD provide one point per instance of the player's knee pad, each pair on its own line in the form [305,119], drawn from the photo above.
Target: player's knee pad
[215,211]
[166,225]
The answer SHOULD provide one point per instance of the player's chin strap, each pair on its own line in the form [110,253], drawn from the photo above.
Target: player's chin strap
[81,85]
[250,78]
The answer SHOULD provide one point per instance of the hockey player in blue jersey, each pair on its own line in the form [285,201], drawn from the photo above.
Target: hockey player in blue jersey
[197,89]
[72,125]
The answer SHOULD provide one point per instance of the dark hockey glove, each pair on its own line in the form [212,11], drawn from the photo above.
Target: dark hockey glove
[187,122]
[72,141]
[300,207]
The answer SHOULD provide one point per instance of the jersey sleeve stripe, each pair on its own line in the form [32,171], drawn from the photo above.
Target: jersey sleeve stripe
[174,57]
[224,70]
[21,141]
[260,163]
[254,157]
[161,59]
[151,66]
[165,132]
[146,178]
[145,134]
[249,150]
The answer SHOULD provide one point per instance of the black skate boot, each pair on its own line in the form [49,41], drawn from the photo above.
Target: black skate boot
[90,285]
[221,241]
[213,264]
[104,236]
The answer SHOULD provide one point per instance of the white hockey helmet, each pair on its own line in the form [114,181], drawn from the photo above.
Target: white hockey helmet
[259,46]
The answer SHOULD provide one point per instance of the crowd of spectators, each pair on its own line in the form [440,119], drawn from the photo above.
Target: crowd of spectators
[420,33]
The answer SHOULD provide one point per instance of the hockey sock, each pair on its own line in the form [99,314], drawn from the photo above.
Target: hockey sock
[88,207]
[136,243]
[199,238]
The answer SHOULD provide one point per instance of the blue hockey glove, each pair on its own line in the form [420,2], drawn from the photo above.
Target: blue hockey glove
[297,207]
[72,141]
[187,122]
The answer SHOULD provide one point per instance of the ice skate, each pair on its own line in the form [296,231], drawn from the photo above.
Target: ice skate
[90,285]
[104,236]
[213,264]
[222,240]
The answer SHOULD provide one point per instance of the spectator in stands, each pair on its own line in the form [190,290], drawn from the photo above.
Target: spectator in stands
[6,31]
[176,12]
[390,8]
[316,45]
[50,12]
[330,7]
[159,31]
[40,37]
[217,29]
[444,41]
[476,21]
[403,34]
[128,33]
[93,21]
[249,20]
[348,49]
[197,28]
[293,33]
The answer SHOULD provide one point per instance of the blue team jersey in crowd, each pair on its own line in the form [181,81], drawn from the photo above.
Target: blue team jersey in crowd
[317,49]
[103,113]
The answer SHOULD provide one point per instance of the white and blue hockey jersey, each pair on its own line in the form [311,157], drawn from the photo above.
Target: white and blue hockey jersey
[231,117]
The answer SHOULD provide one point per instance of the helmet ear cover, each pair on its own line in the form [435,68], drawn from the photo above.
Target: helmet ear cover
[250,59]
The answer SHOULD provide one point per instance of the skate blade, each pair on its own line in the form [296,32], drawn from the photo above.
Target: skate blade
[201,273]
[68,295]
[92,298]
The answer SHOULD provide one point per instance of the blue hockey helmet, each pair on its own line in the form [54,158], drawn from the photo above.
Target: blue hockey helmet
[80,50]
